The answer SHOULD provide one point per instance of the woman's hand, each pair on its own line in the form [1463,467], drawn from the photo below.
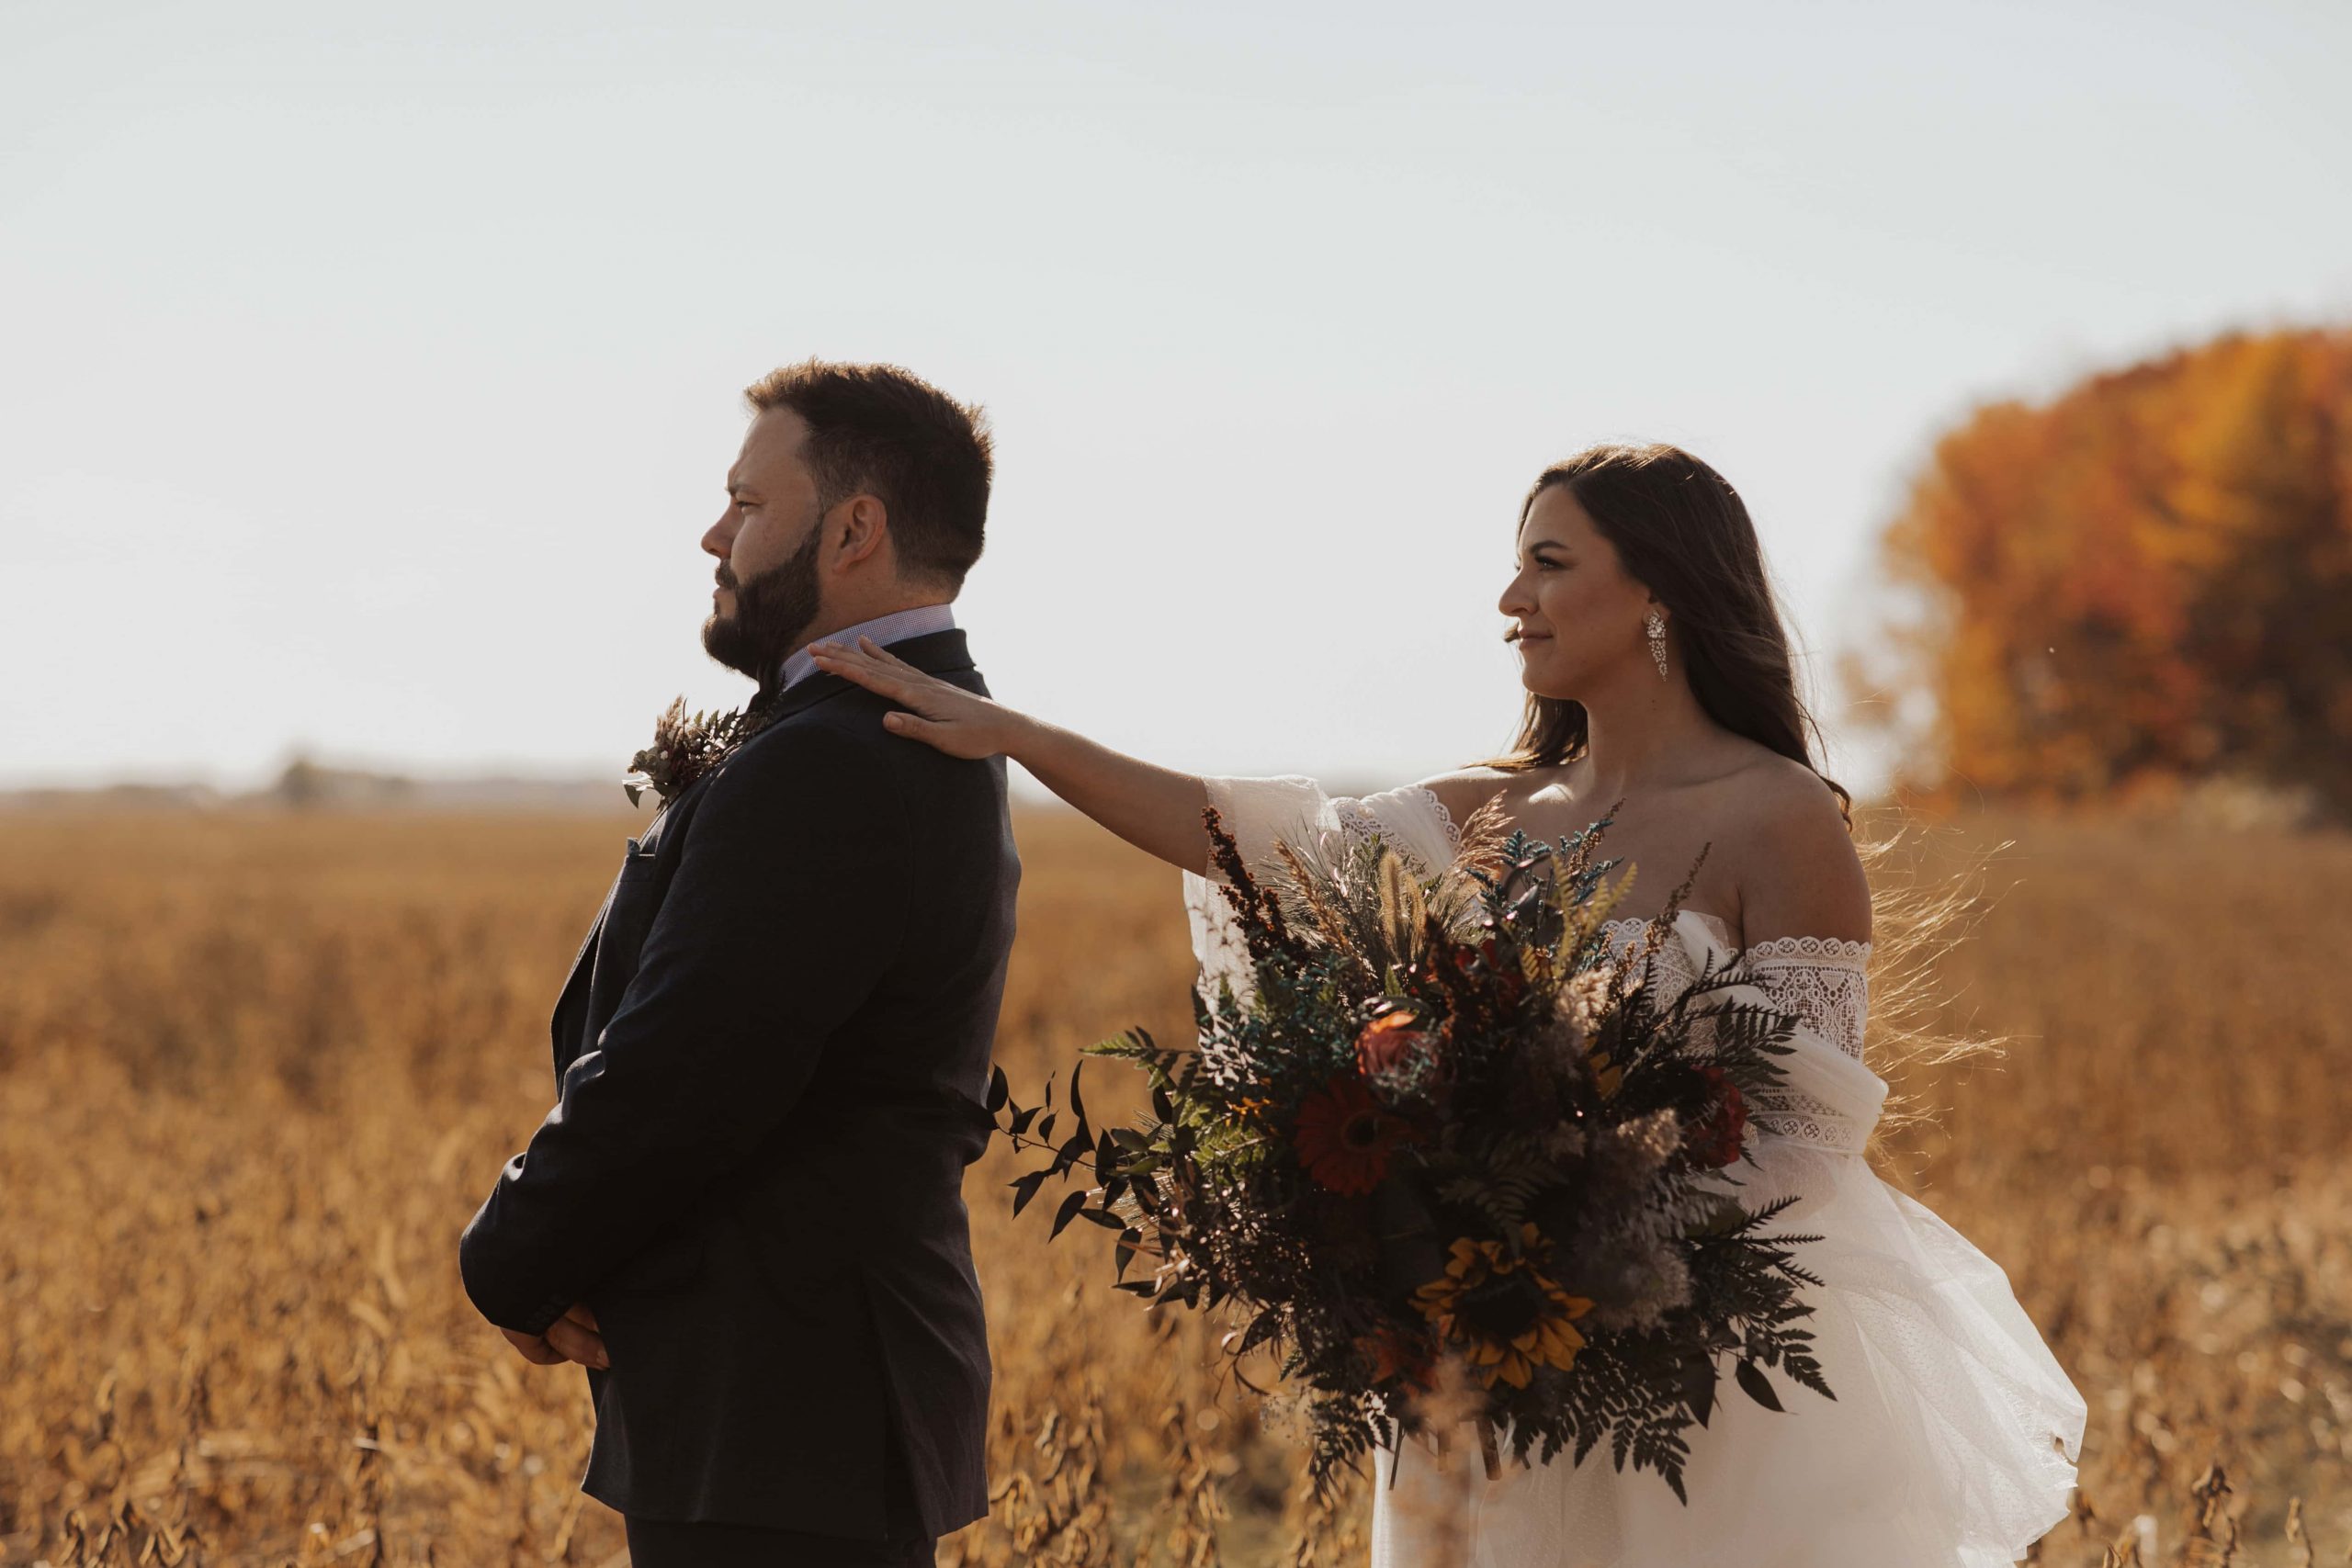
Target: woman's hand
[1157,810]
[948,718]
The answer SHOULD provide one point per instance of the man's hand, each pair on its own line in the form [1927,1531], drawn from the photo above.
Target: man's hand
[572,1338]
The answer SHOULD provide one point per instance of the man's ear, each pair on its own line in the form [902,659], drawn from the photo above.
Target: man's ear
[859,526]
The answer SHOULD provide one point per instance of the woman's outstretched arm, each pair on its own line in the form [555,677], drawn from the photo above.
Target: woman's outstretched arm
[1155,808]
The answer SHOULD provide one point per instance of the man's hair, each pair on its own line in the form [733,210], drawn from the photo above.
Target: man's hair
[877,430]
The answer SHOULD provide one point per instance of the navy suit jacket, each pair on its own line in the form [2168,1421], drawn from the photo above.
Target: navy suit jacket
[773,1056]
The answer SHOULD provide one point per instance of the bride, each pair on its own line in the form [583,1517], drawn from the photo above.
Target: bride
[1659,684]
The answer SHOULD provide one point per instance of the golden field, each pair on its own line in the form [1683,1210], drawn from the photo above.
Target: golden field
[256,1070]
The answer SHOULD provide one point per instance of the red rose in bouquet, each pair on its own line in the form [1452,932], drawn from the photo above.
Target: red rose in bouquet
[1714,1138]
[1402,1057]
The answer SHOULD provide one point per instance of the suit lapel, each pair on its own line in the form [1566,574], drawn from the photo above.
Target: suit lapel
[573,983]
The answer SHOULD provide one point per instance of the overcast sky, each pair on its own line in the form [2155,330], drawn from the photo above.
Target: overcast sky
[367,374]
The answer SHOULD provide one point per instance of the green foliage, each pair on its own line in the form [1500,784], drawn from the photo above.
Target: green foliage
[1426,1065]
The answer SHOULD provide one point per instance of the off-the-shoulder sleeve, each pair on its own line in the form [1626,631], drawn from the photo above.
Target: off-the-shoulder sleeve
[1823,981]
[1828,1099]
[1257,812]
[1294,810]
[1290,808]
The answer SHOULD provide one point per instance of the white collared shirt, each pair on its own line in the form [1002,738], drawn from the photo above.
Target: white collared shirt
[897,627]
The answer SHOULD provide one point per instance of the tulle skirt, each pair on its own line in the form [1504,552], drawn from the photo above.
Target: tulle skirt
[1951,1441]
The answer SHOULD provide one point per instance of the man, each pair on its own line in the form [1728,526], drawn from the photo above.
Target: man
[744,1213]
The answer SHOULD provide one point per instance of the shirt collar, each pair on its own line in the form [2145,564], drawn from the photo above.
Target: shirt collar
[897,627]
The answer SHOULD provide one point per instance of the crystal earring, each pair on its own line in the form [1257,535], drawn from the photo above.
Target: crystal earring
[1656,626]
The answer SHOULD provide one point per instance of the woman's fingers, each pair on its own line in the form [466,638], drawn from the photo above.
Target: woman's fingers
[943,735]
[835,659]
[886,676]
[920,726]
[937,712]
[888,665]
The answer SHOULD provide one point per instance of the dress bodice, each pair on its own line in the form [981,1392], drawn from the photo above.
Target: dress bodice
[1830,1099]
[1823,981]
[1955,1434]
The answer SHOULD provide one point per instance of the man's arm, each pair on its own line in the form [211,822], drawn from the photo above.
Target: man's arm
[777,925]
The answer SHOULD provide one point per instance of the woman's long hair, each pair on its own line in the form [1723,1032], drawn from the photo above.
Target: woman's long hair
[1683,533]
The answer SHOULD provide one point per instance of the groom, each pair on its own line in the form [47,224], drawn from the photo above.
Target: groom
[744,1213]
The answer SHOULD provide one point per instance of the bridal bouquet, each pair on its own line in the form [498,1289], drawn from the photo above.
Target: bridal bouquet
[1452,1130]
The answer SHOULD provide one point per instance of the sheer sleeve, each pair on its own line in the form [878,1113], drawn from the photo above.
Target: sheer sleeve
[1823,981]
[1257,812]
[1828,1099]
[1292,808]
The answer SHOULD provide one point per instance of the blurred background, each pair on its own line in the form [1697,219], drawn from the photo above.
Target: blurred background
[369,375]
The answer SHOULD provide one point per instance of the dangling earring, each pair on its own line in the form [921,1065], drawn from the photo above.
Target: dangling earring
[1656,626]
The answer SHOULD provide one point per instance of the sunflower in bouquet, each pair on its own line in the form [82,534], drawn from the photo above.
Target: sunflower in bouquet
[1451,1125]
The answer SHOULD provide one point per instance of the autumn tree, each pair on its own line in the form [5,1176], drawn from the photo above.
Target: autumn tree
[2144,581]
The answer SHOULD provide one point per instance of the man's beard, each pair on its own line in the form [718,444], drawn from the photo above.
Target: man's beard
[773,614]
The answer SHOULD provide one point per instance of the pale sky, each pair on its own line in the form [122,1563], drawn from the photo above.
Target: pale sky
[368,374]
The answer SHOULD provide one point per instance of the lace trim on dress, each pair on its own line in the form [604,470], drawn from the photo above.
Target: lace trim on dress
[1828,1000]
[1359,822]
[1825,949]
[1834,949]
[1445,817]
[1830,996]
[1823,980]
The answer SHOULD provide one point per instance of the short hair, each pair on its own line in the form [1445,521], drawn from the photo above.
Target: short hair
[881,431]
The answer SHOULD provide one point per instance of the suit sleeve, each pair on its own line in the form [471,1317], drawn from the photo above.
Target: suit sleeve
[782,917]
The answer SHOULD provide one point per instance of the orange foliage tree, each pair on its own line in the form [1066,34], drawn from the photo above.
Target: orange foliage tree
[2145,581]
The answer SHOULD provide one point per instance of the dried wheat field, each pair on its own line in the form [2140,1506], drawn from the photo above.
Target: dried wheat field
[258,1069]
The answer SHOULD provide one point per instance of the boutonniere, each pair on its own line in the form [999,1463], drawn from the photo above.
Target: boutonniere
[686,745]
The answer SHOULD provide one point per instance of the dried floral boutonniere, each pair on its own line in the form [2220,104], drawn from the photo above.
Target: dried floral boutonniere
[686,745]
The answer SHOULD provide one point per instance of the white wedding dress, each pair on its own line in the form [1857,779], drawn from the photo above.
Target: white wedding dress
[1953,1438]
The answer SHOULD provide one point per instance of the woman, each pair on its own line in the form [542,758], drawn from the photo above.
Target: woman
[1660,693]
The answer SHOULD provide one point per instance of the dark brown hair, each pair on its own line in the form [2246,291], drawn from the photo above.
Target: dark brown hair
[1682,532]
[877,430]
